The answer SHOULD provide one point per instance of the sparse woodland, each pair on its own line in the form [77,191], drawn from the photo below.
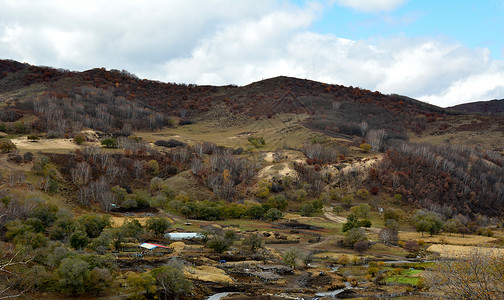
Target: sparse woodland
[357,179]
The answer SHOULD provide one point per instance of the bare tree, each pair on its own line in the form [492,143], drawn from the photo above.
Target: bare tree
[81,173]
[16,177]
[83,195]
[138,168]
[9,261]
[196,165]
[476,275]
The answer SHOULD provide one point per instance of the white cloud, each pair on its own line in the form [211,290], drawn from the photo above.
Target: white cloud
[236,42]
[371,5]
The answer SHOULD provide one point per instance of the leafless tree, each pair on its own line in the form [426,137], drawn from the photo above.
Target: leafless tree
[196,165]
[375,138]
[81,173]
[9,261]
[475,275]
[16,177]
[83,195]
[138,169]
[98,188]
[311,150]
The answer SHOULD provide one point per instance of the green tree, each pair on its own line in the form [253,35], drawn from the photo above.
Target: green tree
[219,244]
[93,225]
[132,228]
[365,147]
[79,240]
[141,286]
[101,280]
[362,193]
[7,145]
[253,242]
[361,211]
[278,202]
[427,221]
[153,166]
[255,212]
[290,257]
[79,139]
[307,209]
[273,214]
[73,275]
[109,143]
[158,225]
[352,222]
[171,282]
[353,236]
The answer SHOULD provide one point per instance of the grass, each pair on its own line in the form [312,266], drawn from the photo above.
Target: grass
[454,239]
[281,130]
[410,272]
[384,249]
[403,280]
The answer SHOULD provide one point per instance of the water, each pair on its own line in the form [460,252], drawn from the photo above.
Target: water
[335,292]
[218,296]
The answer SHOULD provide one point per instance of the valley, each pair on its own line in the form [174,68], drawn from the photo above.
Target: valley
[296,190]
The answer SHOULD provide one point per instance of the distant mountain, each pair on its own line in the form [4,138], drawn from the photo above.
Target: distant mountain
[492,107]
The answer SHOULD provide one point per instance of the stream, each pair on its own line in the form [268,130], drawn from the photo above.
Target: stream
[218,296]
[334,293]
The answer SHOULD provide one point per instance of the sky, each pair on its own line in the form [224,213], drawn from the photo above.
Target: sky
[442,52]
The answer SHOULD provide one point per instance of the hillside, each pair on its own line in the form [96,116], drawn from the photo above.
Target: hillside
[492,107]
[95,163]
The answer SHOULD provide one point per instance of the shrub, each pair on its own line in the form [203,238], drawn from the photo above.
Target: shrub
[253,242]
[78,240]
[7,145]
[361,246]
[28,157]
[353,236]
[109,143]
[365,147]
[362,193]
[158,225]
[170,143]
[257,142]
[290,256]
[219,244]
[79,139]
[273,214]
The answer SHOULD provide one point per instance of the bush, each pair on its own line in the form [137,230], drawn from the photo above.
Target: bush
[257,142]
[79,139]
[7,145]
[273,214]
[171,281]
[15,158]
[79,240]
[93,225]
[290,256]
[28,157]
[361,246]
[362,193]
[170,143]
[365,147]
[253,242]
[219,244]
[158,225]
[109,143]
[353,236]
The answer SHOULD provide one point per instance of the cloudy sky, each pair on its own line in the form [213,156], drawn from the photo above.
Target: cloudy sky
[443,52]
